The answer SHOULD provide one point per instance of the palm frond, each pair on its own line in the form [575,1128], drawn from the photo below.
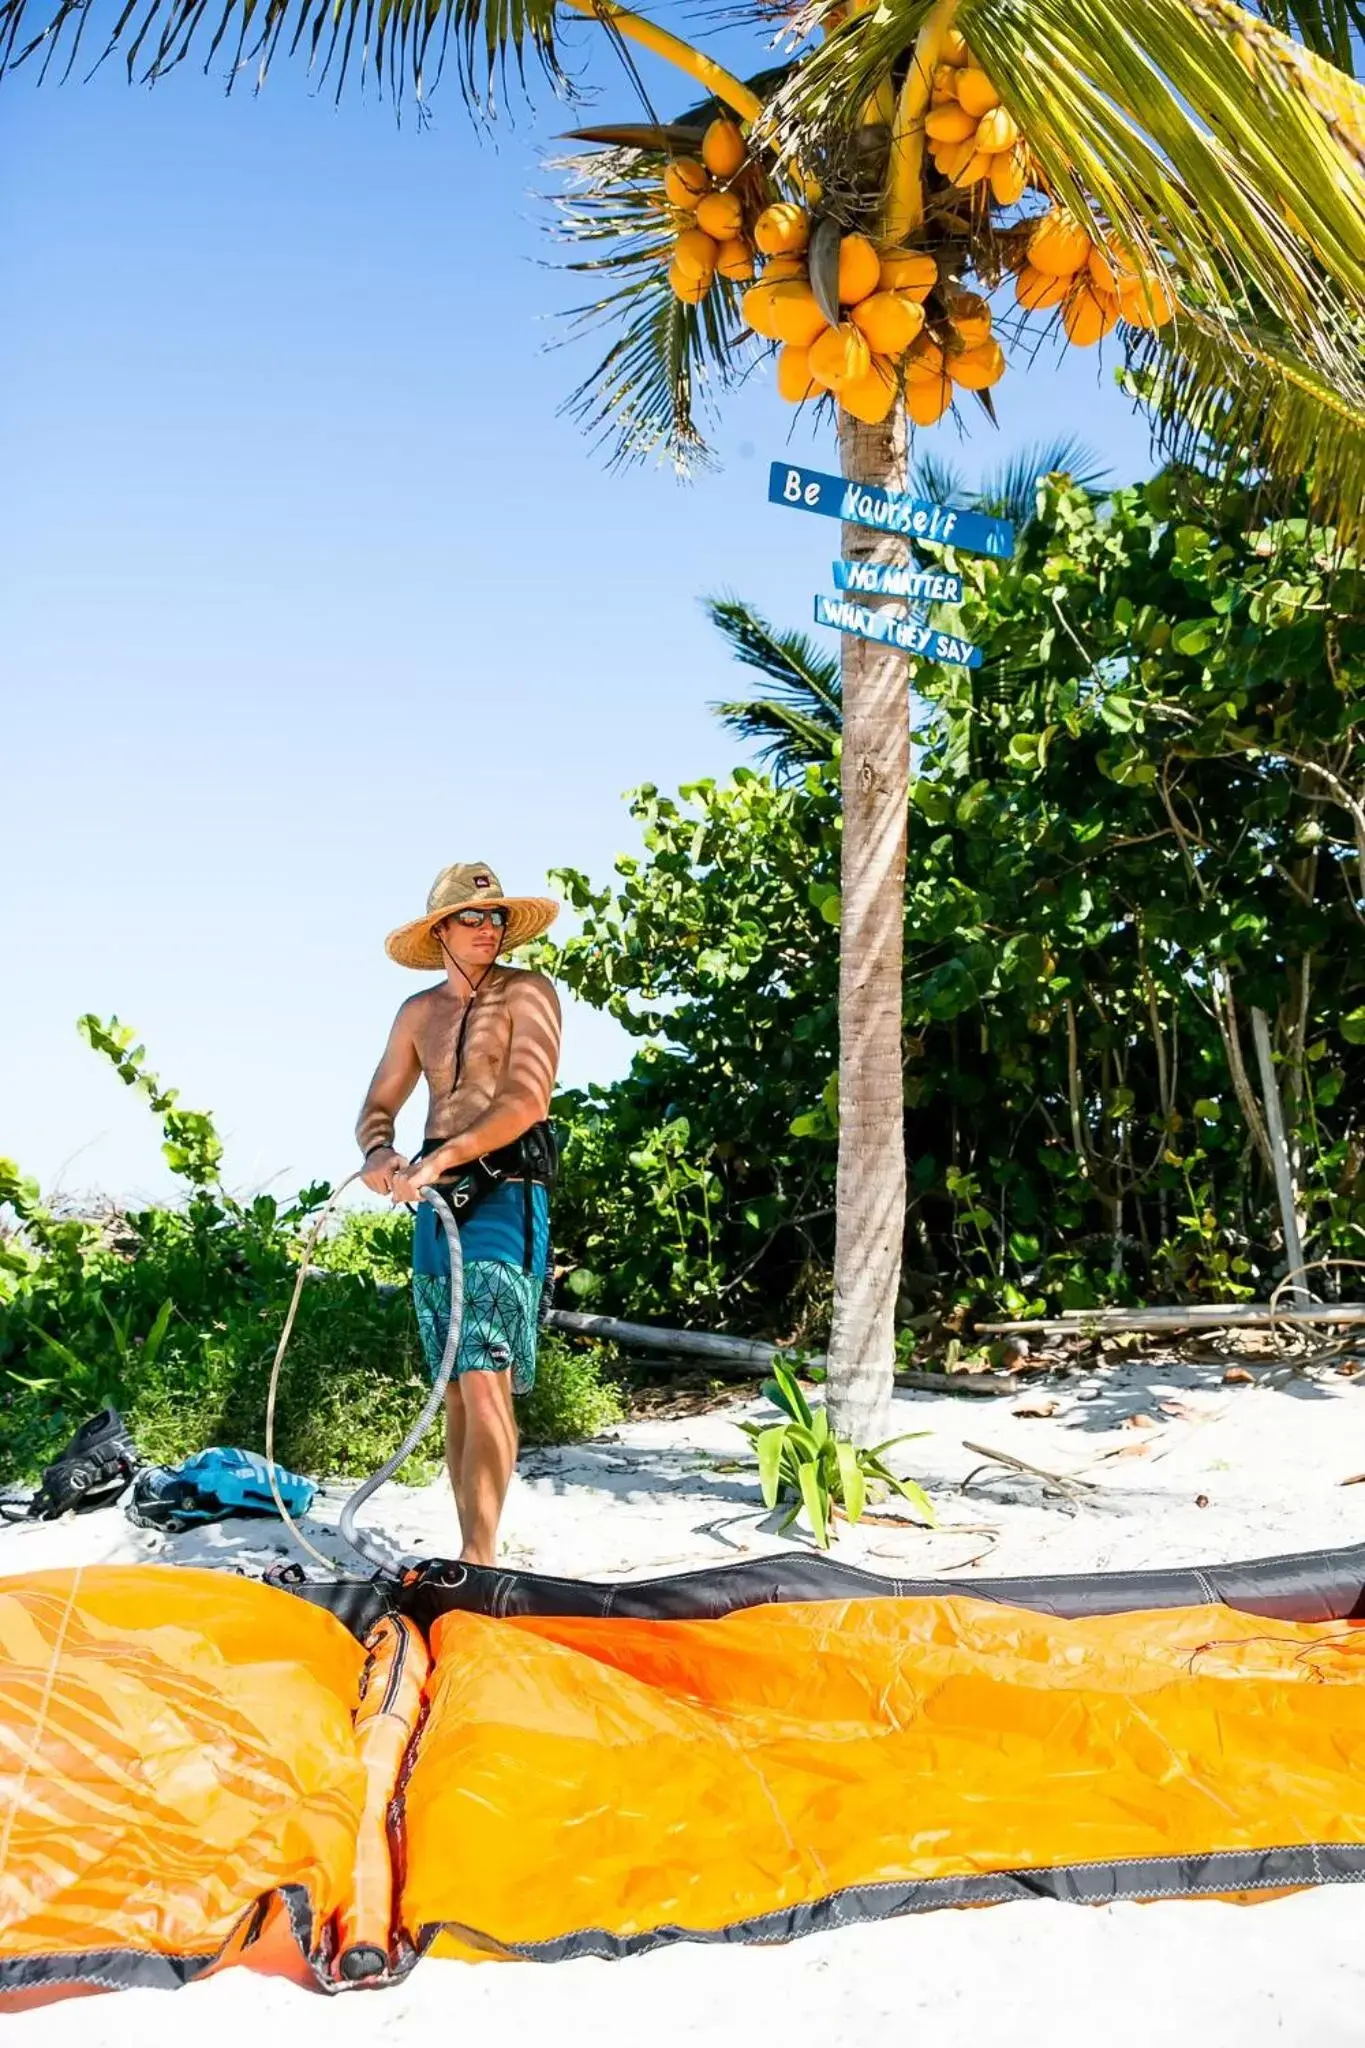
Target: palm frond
[791,662]
[1253,415]
[933,476]
[1010,491]
[786,739]
[1215,149]
[401,44]
[1328,27]
[803,717]
[668,362]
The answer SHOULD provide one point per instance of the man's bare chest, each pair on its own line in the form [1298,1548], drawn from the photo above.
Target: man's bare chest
[464,1043]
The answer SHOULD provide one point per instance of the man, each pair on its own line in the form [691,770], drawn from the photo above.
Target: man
[487,1041]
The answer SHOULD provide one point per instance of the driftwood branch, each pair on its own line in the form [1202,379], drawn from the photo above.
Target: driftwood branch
[747,1358]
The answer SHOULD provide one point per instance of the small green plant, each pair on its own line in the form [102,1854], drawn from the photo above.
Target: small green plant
[801,1460]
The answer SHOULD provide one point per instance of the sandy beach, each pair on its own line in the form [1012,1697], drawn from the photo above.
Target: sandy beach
[1165,1463]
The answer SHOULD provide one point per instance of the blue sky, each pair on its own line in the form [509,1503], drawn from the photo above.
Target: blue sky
[306,589]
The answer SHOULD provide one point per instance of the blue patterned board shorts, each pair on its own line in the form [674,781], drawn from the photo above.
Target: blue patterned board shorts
[501,1300]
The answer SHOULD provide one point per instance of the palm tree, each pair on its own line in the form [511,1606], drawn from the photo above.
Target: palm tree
[1205,158]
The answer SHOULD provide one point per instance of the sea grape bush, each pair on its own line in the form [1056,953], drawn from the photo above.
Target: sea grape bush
[1141,817]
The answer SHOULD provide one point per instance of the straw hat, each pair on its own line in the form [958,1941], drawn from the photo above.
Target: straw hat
[468,885]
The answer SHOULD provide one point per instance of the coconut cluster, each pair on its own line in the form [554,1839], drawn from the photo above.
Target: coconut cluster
[902,332]
[1095,284]
[876,343]
[972,139]
[708,215]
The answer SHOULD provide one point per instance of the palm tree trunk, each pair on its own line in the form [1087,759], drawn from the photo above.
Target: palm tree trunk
[875,773]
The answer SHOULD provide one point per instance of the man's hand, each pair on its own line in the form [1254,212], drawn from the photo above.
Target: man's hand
[407,1185]
[380,1167]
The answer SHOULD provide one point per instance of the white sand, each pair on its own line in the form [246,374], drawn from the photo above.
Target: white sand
[1267,1459]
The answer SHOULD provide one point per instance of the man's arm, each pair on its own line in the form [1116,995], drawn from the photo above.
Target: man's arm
[395,1078]
[528,1083]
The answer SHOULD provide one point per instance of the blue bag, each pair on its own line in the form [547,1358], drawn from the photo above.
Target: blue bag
[212,1485]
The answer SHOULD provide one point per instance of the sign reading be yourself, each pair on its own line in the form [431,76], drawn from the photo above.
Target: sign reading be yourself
[810,490]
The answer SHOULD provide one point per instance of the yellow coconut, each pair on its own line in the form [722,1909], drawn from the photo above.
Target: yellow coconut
[1009,176]
[859,269]
[778,268]
[977,167]
[1062,244]
[1058,246]
[735,260]
[1088,316]
[1036,291]
[720,215]
[695,254]
[1145,301]
[871,397]
[1100,263]
[976,93]
[889,321]
[686,181]
[924,361]
[794,314]
[954,157]
[691,290]
[944,84]
[976,369]
[756,309]
[907,270]
[794,381]
[782,229]
[971,316]
[996,130]
[954,48]
[927,399]
[839,356]
[950,123]
[722,149]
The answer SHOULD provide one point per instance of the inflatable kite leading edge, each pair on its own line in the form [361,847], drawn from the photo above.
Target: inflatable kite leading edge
[197,1769]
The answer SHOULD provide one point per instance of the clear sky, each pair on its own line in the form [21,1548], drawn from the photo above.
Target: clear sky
[305,590]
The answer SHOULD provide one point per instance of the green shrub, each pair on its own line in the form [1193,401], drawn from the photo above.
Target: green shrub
[173,1315]
[574,1395]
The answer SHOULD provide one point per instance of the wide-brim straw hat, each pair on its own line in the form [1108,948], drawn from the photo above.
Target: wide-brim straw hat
[468,885]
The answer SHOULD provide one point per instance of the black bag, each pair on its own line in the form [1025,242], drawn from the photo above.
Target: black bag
[93,1470]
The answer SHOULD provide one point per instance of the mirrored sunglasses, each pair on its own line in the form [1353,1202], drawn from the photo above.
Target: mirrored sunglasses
[472,919]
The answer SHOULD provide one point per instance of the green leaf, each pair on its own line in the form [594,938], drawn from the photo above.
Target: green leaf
[1194,636]
[815,1501]
[918,1499]
[1352,1027]
[770,1443]
[851,1481]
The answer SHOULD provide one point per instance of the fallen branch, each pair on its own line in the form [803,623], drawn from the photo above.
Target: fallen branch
[747,1358]
[1234,1316]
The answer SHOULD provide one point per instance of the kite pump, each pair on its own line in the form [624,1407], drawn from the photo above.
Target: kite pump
[346,1528]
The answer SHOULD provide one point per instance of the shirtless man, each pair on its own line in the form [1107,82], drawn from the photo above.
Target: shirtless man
[487,1041]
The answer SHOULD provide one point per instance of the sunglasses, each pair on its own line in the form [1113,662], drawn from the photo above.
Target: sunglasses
[472,919]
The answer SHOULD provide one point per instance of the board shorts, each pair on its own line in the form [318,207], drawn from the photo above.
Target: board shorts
[501,1320]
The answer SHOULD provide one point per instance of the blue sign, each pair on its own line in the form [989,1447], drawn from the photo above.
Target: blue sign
[893,579]
[912,634]
[809,490]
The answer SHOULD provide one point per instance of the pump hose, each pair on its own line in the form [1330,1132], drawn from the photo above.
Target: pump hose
[346,1528]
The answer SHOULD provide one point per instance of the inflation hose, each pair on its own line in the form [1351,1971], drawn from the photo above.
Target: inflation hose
[346,1528]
